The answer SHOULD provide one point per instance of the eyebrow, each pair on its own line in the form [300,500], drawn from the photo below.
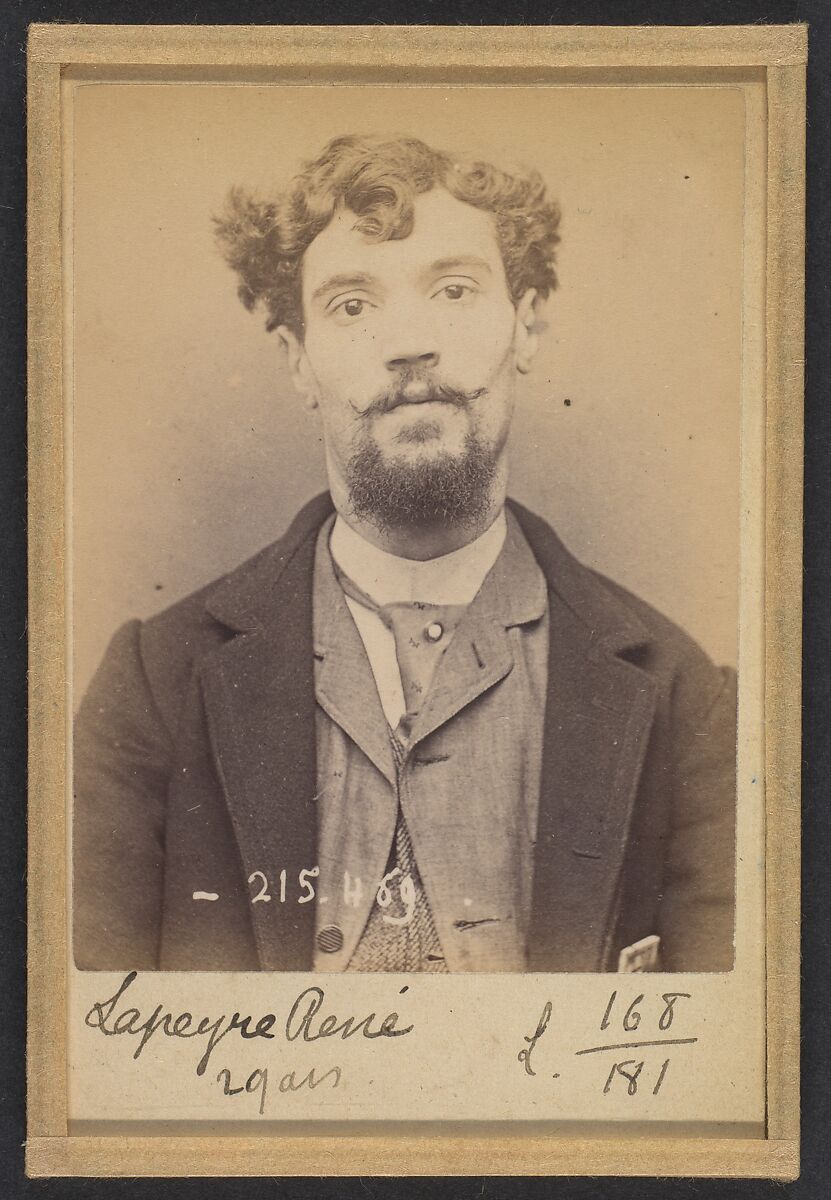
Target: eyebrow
[439,267]
[442,265]
[341,281]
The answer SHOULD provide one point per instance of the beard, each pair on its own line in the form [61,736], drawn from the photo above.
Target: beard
[394,493]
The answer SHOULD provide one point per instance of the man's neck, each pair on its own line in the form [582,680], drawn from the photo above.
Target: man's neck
[387,578]
[422,543]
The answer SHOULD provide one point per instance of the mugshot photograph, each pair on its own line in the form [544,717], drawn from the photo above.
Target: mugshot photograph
[415,733]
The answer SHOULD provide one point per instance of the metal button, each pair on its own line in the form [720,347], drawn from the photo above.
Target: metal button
[330,939]
[434,631]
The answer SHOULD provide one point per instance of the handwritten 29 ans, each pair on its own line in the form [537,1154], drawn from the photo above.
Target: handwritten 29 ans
[352,891]
[654,1034]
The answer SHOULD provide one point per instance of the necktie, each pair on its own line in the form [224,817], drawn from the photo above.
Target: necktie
[400,934]
[422,633]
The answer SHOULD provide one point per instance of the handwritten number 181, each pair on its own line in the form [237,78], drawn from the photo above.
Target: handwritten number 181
[630,1070]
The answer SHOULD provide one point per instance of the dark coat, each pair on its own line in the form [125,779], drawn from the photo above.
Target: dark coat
[195,766]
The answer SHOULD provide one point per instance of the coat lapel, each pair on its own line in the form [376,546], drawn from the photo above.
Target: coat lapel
[259,699]
[599,712]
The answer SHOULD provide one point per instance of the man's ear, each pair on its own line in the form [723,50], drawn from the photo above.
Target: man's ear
[526,333]
[302,374]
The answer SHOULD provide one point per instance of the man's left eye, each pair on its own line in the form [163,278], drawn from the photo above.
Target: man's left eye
[455,291]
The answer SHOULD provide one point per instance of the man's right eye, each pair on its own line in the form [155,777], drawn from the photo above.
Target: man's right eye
[352,307]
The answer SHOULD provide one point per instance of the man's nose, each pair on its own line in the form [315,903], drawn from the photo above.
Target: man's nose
[411,358]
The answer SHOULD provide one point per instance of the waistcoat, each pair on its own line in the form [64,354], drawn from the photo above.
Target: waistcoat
[468,784]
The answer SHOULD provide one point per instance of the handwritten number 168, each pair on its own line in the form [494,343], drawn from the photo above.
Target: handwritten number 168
[632,1016]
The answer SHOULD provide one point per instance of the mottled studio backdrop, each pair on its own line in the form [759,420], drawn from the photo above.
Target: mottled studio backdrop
[190,450]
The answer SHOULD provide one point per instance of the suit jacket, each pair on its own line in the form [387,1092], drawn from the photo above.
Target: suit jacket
[195,767]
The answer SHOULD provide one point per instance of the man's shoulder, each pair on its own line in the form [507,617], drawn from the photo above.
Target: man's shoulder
[233,601]
[240,599]
[613,615]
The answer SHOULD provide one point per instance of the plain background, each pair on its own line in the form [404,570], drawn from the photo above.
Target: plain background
[190,449]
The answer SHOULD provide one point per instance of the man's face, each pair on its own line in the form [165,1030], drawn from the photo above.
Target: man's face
[411,346]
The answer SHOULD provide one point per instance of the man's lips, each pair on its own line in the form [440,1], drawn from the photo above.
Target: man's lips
[425,395]
[416,399]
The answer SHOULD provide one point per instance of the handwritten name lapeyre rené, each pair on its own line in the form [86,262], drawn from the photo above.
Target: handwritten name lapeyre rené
[304,1021]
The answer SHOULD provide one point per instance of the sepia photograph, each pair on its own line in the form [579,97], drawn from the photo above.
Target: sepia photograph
[419,447]
[417,731]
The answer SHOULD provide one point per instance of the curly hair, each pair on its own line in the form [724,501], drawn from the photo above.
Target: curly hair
[378,180]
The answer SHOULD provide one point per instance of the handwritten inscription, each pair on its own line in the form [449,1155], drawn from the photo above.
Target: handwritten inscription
[630,1070]
[524,1056]
[633,1034]
[264,891]
[626,1016]
[257,1081]
[304,1020]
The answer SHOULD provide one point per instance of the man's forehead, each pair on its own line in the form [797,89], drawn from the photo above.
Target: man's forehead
[444,230]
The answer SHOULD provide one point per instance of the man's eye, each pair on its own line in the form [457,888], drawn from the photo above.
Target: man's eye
[456,291]
[353,307]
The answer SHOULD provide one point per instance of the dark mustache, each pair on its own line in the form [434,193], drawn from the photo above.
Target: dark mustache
[405,393]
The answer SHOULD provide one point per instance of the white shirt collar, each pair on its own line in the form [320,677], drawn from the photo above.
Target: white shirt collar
[453,578]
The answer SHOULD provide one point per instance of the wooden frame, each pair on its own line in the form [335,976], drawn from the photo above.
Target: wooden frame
[779,53]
